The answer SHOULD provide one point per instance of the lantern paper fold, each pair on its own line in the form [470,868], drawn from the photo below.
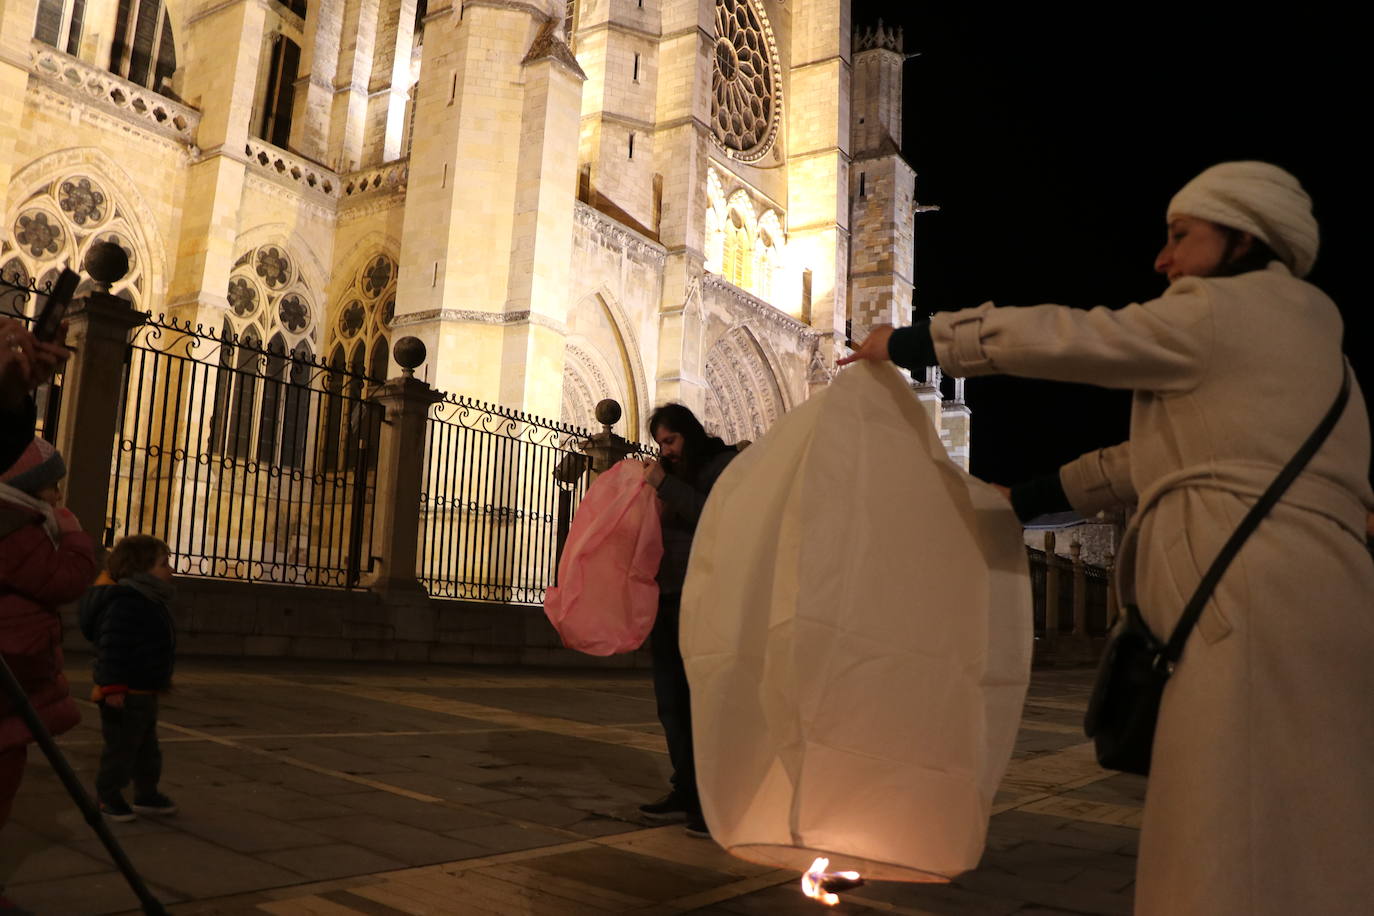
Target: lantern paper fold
[856,626]
[607,594]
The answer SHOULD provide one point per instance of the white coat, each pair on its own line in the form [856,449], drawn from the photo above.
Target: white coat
[1261,793]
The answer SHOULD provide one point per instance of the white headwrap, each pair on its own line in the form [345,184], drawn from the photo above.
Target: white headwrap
[1257,198]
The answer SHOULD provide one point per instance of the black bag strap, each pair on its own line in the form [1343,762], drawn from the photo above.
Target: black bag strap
[1169,655]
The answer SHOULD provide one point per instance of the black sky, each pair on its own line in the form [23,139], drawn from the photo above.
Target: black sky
[1053,140]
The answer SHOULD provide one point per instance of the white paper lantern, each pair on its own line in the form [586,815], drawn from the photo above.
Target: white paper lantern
[856,625]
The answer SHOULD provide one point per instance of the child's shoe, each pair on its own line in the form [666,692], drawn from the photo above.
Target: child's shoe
[116,809]
[157,804]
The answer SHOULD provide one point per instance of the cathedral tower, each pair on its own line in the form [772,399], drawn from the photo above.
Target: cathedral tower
[486,246]
[882,186]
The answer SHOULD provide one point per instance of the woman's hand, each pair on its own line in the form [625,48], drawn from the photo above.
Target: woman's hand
[874,346]
[25,361]
[653,471]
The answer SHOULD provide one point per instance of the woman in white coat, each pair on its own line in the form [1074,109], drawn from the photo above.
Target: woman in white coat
[1261,796]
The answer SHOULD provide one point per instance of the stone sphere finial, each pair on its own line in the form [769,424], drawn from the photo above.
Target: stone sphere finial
[410,353]
[608,412]
[106,263]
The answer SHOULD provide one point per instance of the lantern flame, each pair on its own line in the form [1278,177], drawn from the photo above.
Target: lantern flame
[816,882]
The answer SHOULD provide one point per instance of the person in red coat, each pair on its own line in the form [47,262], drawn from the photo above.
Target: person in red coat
[46,560]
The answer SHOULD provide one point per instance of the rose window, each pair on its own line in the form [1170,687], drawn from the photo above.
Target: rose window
[352,320]
[83,201]
[268,297]
[745,86]
[377,276]
[243,298]
[293,313]
[35,232]
[274,267]
[56,224]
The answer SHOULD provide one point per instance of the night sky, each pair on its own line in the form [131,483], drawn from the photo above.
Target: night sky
[1053,142]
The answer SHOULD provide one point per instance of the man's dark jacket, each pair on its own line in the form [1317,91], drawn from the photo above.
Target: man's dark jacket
[684,496]
[134,637]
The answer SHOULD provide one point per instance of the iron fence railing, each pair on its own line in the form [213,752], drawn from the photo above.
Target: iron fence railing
[20,299]
[496,483]
[253,462]
[1059,619]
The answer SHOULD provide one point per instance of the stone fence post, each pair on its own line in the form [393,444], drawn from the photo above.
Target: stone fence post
[602,451]
[605,447]
[98,331]
[1113,607]
[1080,591]
[400,472]
[1051,591]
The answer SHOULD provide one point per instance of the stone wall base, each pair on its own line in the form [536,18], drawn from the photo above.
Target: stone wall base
[280,621]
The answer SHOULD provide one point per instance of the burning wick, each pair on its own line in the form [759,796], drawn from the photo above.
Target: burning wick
[819,884]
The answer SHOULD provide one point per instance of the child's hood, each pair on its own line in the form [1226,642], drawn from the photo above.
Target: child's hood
[94,603]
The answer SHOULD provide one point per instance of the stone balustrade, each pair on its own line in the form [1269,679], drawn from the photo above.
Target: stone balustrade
[112,93]
[389,177]
[295,171]
[292,170]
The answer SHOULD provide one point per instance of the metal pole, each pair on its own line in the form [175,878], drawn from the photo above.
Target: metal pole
[20,699]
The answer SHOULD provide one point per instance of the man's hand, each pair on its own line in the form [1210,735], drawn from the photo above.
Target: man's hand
[874,346]
[653,472]
[25,361]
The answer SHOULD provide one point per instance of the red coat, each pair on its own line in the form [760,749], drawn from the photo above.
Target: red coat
[35,578]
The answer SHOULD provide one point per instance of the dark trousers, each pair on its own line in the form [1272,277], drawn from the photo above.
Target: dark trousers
[673,696]
[11,774]
[131,749]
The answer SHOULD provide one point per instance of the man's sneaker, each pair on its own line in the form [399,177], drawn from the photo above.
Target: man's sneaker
[157,804]
[669,808]
[696,826]
[116,809]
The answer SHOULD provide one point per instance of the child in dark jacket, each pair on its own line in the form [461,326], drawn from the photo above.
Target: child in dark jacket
[45,560]
[126,616]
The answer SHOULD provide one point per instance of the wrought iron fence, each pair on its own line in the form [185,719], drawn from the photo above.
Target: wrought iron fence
[1059,619]
[253,462]
[495,482]
[20,297]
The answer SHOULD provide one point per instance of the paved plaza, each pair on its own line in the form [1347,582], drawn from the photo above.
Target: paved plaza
[339,788]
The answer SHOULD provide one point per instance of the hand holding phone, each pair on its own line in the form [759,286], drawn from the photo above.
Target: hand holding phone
[55,309]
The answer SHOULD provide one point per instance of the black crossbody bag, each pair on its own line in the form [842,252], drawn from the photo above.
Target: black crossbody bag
[1135,666]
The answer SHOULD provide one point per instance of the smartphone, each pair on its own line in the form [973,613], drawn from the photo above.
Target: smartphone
[55,309]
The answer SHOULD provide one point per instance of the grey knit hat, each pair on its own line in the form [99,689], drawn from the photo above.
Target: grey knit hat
[1257,198]
[39,467]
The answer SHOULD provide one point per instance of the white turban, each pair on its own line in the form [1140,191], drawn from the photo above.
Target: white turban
[1257,198]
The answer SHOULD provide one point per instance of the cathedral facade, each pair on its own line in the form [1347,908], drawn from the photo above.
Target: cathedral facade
[565,200]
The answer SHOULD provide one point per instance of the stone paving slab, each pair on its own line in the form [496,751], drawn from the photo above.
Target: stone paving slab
[346,788]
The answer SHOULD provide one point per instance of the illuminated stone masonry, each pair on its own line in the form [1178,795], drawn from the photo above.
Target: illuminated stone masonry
[650,201]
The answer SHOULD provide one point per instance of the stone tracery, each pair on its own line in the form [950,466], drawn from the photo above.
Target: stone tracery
[744,246]
[55,227]
[743,397]
[745,83]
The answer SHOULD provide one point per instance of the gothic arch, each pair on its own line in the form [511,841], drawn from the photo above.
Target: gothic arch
[586,380]
[107,207]
[362,309]
[743,396]
[311,265]
[618,355]
[276,287]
